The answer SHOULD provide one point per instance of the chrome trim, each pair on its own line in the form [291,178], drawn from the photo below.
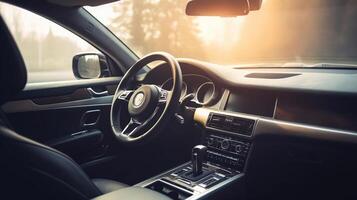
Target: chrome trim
[216,187]
[265,126]
[275,127]
[201,115]
[175,186]
[29,105]
[224,99]
[83,118]
[275,106]
[93,93]
[211,98]
[198,192]
[155,178]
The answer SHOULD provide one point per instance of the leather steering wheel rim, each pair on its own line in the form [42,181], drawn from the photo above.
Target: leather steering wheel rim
[168,101]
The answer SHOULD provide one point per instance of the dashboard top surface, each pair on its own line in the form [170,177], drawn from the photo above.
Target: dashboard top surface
[315,80]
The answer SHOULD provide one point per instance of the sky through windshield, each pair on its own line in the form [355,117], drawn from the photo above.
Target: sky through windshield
[282,31]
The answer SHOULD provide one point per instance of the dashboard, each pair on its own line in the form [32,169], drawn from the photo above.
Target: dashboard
[275,125]
[318,97]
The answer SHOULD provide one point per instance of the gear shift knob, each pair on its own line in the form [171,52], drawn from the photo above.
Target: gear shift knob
[198,157]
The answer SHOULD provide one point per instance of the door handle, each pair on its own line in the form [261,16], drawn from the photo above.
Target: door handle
[97,94]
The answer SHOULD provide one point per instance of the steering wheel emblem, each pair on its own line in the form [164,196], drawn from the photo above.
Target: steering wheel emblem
[139,99]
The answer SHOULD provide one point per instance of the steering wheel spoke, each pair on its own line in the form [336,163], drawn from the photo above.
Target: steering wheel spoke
[132,127]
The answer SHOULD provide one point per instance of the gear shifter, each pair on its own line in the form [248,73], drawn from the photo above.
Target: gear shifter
[197,172]
[198,157]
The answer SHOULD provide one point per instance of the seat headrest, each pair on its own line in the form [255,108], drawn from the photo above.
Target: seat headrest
[13,75]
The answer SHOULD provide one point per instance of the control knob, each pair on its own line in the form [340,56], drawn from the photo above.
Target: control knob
[225,144]
[238,148]
[210,141]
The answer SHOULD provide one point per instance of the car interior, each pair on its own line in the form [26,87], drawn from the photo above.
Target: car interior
[184,129]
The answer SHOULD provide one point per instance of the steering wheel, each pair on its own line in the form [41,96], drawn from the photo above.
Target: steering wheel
[149,106]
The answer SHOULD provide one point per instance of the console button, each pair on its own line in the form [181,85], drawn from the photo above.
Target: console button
[225,144]
[238,148]
[210,141]
[216,121]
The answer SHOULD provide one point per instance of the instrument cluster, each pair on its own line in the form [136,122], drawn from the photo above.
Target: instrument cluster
[204,90]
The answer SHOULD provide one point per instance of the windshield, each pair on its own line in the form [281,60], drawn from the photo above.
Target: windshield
[282,31]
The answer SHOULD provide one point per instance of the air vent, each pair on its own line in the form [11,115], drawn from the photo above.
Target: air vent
[234,124]
[216,121]
[270,75]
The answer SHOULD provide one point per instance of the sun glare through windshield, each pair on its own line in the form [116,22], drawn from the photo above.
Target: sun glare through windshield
[282,30]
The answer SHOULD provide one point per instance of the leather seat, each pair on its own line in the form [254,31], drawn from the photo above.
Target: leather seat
[106,186]
[29,169]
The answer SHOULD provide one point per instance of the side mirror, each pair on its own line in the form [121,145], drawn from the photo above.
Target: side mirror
[90,65]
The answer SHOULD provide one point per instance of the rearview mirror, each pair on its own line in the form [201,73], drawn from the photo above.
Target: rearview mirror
[89,66]
[225,8]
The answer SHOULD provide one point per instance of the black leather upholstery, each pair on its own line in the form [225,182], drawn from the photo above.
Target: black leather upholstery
[44,173]
[106,186]
[134,193]
[13,75]
[43,166]
[30,170]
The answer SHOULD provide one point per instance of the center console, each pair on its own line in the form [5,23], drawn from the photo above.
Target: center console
[217,163]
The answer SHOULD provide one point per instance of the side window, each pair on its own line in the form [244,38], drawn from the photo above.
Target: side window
[47,48]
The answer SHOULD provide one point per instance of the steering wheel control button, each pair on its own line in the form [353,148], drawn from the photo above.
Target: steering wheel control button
[163,95]
[125,95]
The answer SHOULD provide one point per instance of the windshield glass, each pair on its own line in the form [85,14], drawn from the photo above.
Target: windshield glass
[281,31]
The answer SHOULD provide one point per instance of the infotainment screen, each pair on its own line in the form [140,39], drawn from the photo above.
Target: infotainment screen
[261,104]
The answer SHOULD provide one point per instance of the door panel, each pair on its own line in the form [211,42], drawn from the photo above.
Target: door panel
[66,116]
[58,119]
